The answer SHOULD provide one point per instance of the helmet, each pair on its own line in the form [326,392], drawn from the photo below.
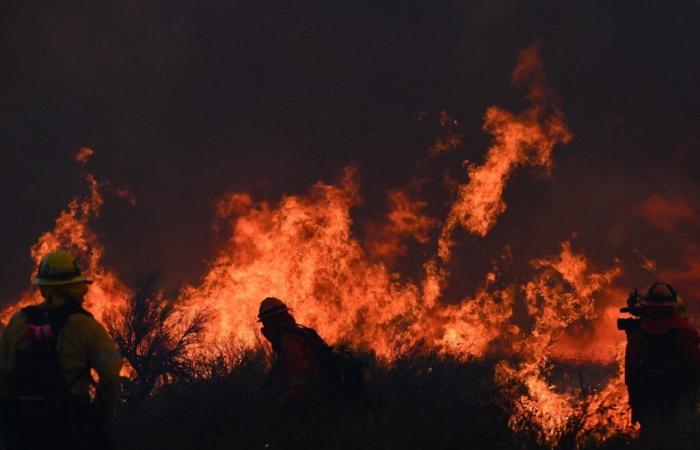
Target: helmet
[271,306]
[57,268]
[660,295]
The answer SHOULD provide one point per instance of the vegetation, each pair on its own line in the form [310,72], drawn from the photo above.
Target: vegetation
[155,338]
[422,401]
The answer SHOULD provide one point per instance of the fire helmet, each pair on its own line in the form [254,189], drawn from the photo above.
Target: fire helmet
[271,306]
[660,295]
[57,268]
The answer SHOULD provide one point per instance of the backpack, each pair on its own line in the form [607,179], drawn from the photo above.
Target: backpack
[37,372]
[344,374]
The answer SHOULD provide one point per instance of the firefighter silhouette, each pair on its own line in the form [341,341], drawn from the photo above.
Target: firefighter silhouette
[307,372]
[662,361]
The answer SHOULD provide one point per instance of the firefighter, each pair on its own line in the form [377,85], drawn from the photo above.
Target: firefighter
[296,376]
[662,363]
[297,382]
[47,353]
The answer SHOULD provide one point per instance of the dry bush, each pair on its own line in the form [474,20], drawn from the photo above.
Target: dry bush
[156,337]
[422,401]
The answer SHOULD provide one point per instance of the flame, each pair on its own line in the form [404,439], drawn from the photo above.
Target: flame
[83,155]
[469,327]
[564,291]
[302,249]
[72,232]
[525,138]
[646,263]
[607,412]
[405,220]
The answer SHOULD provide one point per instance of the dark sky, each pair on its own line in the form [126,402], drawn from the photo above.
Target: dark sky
[183,101]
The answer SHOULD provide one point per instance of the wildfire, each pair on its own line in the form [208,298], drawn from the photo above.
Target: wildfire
[302,249]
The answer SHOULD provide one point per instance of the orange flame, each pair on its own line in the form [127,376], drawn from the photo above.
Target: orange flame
[526,138]
[405,220]
[72,232]
[563,292]
[302,251]
[83,155]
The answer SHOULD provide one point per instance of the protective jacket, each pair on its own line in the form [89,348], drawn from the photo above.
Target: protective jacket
[297,372]
[83,344]
[63,417]
[662,369]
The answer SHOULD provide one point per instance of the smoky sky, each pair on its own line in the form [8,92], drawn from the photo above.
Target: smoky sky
[185,101]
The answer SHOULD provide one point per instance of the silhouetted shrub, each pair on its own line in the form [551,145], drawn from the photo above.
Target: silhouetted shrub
[155,337]
[422,401]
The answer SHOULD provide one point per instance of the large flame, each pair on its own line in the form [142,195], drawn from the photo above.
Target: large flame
[302,250]
[526,138]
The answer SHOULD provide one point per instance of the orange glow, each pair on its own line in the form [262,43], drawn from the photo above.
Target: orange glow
[405,220]
[83,155]
[687,275]
[665,215]
[647,264]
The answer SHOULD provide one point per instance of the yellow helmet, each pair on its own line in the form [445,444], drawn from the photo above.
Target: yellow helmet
[271,306]
[57,268]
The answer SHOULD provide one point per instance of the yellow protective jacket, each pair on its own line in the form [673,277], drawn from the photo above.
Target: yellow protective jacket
[82,344]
